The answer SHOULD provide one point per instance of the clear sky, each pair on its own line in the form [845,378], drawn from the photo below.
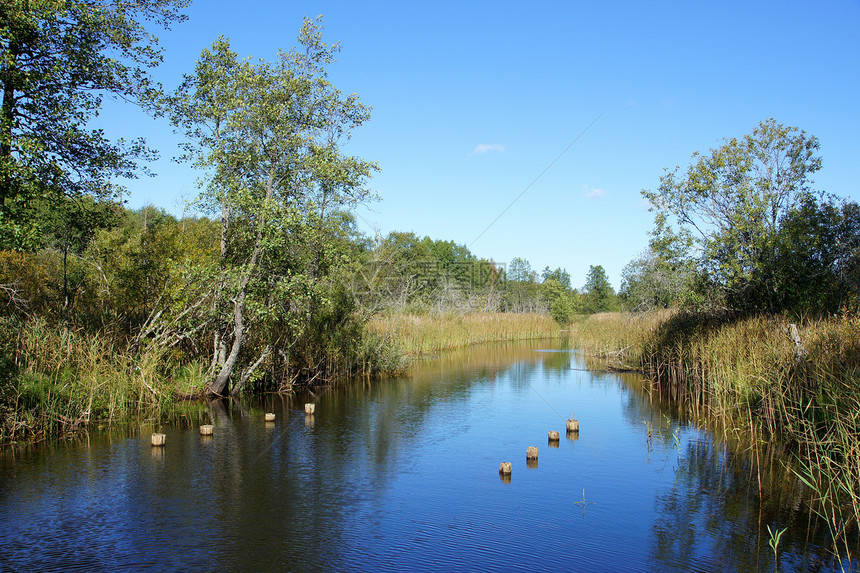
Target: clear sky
[473,101]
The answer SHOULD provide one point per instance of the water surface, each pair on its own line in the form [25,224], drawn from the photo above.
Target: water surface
[402,475]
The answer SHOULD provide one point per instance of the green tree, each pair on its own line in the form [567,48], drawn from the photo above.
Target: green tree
[58,60]
[559,274]
[817,263]
[520,270]
[732,202]
[599,295]
[268,136]
[562,303]
[661,277]
[522,288]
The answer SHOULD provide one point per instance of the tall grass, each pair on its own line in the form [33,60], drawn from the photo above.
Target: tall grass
[61,379]
[748,374]
[417,334]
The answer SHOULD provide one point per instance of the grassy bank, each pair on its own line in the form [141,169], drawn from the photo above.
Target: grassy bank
[58,380]
[751,375]
[417,334]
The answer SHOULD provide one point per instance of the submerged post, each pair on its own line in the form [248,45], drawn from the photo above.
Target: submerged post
[552,436]
[158,439]
[270,416]
[573,425]
[309,408]
[532,453]
[505,468]
[206,430]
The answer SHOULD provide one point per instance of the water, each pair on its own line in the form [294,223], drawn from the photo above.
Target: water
[402,475]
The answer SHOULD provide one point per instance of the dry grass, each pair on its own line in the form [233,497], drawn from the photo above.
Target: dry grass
[748,374]
[423,333]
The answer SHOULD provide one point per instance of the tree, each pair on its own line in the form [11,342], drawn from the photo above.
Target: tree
[599,294]
[817,263]
[562,303]
[661,277]
[732,203]
[268,137]
[58,60]
[520,270]
[559,274]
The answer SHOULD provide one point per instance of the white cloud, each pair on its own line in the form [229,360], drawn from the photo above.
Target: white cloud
[592,193]
[483,148]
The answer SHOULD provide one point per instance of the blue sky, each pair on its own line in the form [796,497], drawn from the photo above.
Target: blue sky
[472,101]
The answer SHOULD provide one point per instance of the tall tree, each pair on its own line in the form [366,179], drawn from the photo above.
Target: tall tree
[269,137]
[599,294]
[58,60]
[732,203]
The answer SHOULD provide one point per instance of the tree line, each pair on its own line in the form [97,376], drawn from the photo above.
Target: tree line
[273,280]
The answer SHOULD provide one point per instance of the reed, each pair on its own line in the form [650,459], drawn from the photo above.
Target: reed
[63,379]
[417,334]
[749,375]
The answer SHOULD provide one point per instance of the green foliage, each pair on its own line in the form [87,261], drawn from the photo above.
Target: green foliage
[742,209]
[559,275]
[563,303]
[403,271]
[775,537]
[663,276]
[269,136]
[58,59]
[599,296]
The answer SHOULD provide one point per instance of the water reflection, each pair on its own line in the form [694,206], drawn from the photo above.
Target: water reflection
[399,475]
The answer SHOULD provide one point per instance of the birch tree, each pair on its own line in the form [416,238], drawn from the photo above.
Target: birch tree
[268,138]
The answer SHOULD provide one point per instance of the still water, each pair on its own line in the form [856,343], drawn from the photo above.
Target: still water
[402,475]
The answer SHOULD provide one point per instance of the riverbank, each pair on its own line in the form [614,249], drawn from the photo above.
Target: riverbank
[417,334]
[57,380]
[759,375]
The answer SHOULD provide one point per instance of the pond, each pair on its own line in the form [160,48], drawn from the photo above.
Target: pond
[403,475]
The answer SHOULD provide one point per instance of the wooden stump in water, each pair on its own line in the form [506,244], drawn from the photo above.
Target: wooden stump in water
[505,468]
[553,436]
[532,453]
[158,439]
[206,430]
[572,425]
[270,416]
[309,408]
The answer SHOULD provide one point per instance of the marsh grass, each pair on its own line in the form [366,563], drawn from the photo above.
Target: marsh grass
[62,379]
[417,334]
[747,374]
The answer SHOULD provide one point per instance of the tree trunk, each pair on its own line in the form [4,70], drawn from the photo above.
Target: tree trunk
[220,382]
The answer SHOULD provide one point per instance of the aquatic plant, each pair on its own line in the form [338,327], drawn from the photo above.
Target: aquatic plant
[755,375]
[775,535]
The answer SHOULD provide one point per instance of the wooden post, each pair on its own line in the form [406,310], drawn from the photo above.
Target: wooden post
[505,468]
[794,334]
[206,430]
[270,417]
[572,425]
[158,439]
[532,453]
[553,436]
[309,408]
